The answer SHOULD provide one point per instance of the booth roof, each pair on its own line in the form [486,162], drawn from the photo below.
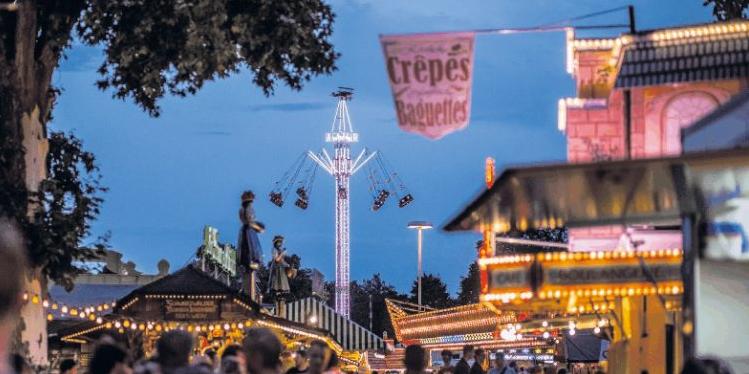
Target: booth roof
[188,281]
[685,54]
[641,191]
[90,294]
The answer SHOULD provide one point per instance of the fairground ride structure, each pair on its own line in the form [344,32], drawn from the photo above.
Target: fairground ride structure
[382,184]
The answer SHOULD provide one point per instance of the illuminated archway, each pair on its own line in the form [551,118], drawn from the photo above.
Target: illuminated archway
[682,111]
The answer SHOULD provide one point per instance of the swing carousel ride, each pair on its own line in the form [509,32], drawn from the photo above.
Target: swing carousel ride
[300,177]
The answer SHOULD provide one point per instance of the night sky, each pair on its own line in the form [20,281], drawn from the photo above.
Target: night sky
[170,176]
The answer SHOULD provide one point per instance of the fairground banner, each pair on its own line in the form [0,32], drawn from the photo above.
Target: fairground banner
[430,75]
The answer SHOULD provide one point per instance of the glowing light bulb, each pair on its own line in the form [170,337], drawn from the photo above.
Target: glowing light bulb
[546,334]
[99,320]
[545,323]
[572,332]
[597,330]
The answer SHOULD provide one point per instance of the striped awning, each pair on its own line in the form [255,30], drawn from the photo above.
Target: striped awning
[349,334]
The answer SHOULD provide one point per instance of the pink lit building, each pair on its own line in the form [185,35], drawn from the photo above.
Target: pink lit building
[674,77]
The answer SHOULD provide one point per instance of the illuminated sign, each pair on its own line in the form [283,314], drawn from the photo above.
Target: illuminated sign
[559,274]
[181,310]
[341,137]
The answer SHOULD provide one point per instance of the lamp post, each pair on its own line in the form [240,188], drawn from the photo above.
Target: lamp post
[419,226]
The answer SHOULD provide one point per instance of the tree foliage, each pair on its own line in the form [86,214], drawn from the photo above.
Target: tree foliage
[69,200]
[155,47]
[727,10]
[470,286]
[378,290]
[433,292]
[152,48]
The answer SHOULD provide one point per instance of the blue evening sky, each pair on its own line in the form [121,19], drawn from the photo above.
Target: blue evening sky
[170,176]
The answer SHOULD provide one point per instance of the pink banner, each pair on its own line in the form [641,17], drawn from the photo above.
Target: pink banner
[430,75]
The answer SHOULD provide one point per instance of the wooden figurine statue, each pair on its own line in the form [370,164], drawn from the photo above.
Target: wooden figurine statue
[248,245]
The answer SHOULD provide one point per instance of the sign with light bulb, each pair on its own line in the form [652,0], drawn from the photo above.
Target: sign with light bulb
[590,274]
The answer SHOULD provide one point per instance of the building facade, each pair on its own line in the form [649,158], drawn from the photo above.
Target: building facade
[635,94]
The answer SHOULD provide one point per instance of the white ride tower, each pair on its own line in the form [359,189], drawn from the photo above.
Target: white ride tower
[341,167]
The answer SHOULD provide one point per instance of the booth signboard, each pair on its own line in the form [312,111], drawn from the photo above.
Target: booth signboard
[604,274]
[553,275]
[191,310]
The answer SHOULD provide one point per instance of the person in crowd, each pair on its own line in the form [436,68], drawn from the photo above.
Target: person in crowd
[500,366]
[301,363]
[109,358]
[534,370]
[464,365]
[415,359]
[562,371]
[513,365]
[706,365]
[233,360]
[447,358]
[522,370]
[19,365]
[332,367]
[12,268]
[263,351]
[173,349]
[68,366]
[319,356]
[213,359]
[478,365]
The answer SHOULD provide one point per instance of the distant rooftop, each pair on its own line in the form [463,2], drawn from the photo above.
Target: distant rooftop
[90,294]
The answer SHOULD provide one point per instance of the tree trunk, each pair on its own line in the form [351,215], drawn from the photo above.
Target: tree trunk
[22,168]
[36,147]
[25,102]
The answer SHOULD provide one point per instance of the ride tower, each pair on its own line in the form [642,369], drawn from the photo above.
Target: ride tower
[341,166]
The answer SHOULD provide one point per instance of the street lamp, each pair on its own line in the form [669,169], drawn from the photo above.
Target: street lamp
[419,226]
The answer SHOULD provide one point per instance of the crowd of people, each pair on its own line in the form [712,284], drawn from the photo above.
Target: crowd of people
[473,361]
[260,353]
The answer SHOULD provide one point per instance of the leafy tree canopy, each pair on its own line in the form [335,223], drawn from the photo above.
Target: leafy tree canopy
[470,286]
[69,200]
[433,292]
[727,10]
[375,290]
[151,48]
